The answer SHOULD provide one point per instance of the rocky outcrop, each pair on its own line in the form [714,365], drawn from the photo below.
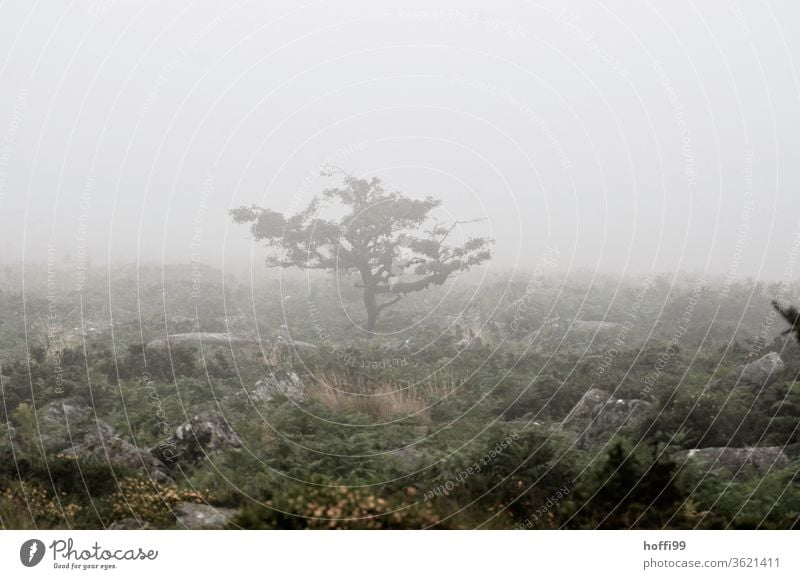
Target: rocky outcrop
[760,373]
[197,338]
[740,462]
[64,422]
[197,516]
[72,429]
[598,416]
[471,332]
[204,434]
[281,353]
[279,383]
[119,453]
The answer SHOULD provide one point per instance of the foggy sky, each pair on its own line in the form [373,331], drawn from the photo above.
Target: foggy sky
[632,137]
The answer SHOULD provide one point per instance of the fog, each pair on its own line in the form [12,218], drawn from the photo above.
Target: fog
[633,138]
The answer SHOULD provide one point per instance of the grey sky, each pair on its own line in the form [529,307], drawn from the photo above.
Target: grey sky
[633,137]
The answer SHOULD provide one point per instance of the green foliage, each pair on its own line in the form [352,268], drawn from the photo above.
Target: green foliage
[46,489]
[440,408]
[629,490]
[768,502]
[504,477]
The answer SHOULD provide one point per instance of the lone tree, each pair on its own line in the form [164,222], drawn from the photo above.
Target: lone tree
[391,240]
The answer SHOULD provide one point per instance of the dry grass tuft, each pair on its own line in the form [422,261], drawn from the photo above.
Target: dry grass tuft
[382,401]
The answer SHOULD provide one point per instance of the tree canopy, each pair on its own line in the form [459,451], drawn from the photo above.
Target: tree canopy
[389,239]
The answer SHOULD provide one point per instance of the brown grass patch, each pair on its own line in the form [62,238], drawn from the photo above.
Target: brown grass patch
[382,401]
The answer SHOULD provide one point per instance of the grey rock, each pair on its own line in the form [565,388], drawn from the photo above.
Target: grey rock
[198,338]
[119,453]
[62,410]
[279,382]
[299,345]
[281,352]
[129,524]
[69,422]
[198,516]
[597,416]
[740,462]
[470,331]
[204,434]
[72,429]
[762,372]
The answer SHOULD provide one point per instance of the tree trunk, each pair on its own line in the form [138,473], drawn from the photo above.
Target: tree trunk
[372,307]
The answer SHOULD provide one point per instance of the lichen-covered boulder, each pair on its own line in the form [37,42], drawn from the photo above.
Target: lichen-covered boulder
[200,338]
[760,373]
[281,353]
[205,433]
[119,453]
[739,462]
[198,516]
[598,416]
[279,382]
[69,422]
